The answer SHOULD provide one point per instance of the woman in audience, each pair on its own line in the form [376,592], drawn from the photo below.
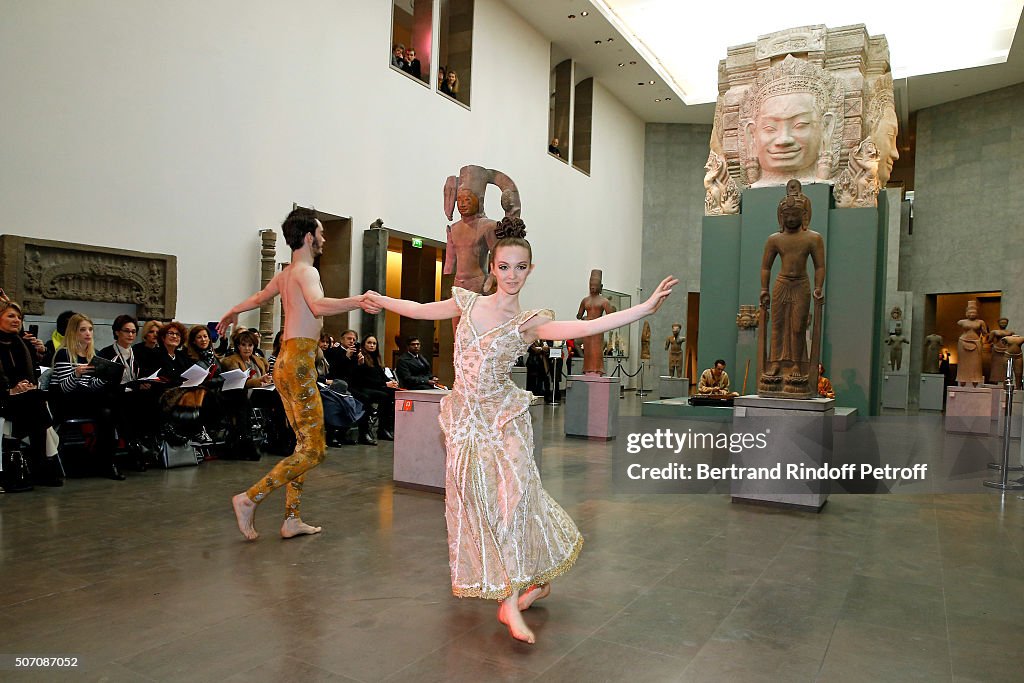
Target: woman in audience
[135,409]
[201,353]
[238,406]
[440,77]
[374,386]
[179,406]
[450,87]
[77,393]
[147,350]
[21,402]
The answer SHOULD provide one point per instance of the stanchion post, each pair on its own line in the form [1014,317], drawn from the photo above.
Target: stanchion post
[1003,484]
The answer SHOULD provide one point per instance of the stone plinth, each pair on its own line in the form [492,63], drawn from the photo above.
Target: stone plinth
[419,461]
[673,387]
[932,392]
[969,410]
[592,407]
[800,433]
[894,390]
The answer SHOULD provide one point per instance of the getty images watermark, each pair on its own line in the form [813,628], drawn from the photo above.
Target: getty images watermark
[876,457]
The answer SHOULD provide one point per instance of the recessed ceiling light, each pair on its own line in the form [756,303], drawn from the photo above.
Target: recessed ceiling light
[572,16]
[622,64]
[668,99]
[640,83]
[597,42]
[651,82]
[657,99]
[611,40]
[632,63]
[584,13]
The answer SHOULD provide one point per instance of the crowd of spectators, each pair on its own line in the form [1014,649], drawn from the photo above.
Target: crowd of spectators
[134,399]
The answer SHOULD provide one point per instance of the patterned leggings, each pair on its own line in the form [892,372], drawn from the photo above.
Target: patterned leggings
[295,379]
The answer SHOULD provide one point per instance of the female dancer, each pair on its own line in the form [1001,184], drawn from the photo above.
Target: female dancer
[507,538]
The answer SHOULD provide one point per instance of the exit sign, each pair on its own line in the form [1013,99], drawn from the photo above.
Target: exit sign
[417,242]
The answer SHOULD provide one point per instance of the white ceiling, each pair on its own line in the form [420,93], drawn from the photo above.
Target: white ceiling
[577,38]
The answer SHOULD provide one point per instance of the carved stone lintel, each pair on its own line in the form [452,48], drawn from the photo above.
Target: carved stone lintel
[34,270]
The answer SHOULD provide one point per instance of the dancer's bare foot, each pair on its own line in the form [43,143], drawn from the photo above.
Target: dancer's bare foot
[508,614]
[532,595]
[293,526]
[245,512]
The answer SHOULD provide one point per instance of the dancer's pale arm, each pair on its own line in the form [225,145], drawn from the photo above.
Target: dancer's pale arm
[434,310]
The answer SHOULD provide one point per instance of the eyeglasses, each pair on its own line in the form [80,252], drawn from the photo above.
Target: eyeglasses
[129,330]
[172,333]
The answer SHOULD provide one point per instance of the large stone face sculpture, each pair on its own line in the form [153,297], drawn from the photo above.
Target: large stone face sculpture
[594,306]
[800,103]
[785,368]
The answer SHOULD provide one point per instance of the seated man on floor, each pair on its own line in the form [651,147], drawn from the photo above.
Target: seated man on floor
[715,382]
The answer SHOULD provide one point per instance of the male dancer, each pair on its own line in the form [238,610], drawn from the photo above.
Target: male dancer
[304,303]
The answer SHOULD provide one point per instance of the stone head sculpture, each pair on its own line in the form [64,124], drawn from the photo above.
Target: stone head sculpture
[972,309]
[794,209]
[595,282]
[882,125]
[791,123]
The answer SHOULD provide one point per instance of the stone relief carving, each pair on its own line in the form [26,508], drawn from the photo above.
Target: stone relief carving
[268,256]
[871,165]
[747,317]
[857,186]
[722,196]
[36,270]
[799,103]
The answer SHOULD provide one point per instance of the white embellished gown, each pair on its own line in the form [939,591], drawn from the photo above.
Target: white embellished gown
[505,532]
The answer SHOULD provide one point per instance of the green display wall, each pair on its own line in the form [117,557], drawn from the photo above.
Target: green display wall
[731,251]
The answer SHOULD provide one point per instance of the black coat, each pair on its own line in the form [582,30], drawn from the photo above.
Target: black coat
[414,372]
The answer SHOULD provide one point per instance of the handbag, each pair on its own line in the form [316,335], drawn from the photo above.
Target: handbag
[15,475]
[341,410]
[180,455]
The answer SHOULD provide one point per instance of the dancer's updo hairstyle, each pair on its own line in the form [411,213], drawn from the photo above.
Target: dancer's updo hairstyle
[511,232]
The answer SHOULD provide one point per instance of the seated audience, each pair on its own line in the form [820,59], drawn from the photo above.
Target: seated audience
[76,392]
[135,409]
[372,386]
[56,338]
[715,381]
[450,87]
[239,404]
[22,404]
[147,350]
[413,369]
[412,65]
[344,357]
[398,56]
[553,147]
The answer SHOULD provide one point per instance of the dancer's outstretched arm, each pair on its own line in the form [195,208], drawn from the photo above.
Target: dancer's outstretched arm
[572,329]
[435,310]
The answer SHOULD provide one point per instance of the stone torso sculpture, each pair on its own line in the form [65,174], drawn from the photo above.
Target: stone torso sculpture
[786,368]
[594,306]
[932,350]
[968,347]
[997,338]
[1013,350]
[674,346]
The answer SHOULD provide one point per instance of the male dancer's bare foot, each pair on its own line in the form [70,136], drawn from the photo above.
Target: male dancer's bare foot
[245,512]
[293,526]
[533,594]
[508,614]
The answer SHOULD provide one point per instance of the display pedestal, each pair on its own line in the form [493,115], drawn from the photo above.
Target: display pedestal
[969,410]
[592,407]
[798,432]
[519,376]
[894,390]
[419,461]
[933,389]
[673,387]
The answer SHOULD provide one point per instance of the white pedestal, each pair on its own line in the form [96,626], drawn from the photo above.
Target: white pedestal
[800,432]
[933,389]
[419,461]
[894,390]
[969,410]
[519,377]
[673,387]
[592,407]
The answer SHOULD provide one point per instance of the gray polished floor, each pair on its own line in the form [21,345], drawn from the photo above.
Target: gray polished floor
[149,579]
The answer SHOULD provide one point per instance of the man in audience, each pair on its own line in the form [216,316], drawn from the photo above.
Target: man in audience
[413,369]
[715,381]
[412,65]
[303,308]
